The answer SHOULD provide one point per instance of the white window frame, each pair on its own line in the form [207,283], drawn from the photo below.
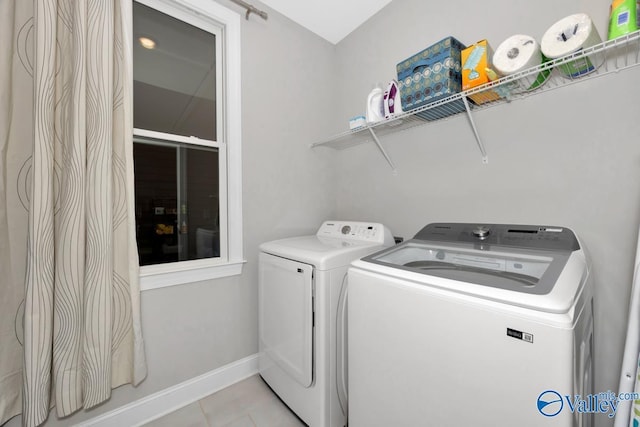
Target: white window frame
[225,24]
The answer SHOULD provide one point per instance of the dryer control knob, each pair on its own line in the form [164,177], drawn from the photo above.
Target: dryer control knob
[346,229]
[482,232]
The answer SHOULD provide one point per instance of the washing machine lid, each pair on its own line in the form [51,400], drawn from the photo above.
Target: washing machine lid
[524,259]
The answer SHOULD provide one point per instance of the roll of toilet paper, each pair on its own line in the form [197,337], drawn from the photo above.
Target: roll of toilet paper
[570,35]
[519,53]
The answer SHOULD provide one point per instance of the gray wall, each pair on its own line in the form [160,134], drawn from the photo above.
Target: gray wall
[567,157]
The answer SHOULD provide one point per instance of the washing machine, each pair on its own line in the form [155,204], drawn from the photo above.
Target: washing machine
[472,325]
[302,318]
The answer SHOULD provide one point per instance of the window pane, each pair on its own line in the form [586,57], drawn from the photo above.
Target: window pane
[177,205]
[174,76]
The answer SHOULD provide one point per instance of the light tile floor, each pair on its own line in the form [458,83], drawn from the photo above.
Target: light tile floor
[248,403]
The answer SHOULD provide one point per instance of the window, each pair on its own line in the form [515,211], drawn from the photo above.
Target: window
[186,117]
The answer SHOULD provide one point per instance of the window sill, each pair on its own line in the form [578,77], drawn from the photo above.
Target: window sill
[161,276]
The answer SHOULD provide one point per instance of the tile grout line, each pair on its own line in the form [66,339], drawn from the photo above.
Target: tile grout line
[202,412]
[251,419]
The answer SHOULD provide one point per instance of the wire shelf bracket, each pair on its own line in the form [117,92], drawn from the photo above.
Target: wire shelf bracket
[485,158]
[383,151]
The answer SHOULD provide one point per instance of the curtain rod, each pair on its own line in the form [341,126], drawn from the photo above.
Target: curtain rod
[251,9]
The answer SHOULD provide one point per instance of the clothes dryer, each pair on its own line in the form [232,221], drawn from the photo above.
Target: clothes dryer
[301,299]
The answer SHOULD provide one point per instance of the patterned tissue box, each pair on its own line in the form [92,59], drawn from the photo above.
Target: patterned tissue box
[430,75]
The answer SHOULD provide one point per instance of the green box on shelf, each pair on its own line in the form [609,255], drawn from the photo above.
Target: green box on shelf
[431,75]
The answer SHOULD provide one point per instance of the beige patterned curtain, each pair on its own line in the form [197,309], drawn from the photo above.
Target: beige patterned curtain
[15,136]
[81,323]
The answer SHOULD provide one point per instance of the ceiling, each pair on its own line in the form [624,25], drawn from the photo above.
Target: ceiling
[332,20]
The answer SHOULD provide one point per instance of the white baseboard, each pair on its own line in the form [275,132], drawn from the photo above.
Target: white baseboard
[168,400]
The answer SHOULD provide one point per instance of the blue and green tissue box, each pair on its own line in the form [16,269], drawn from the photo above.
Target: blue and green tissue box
[430,75]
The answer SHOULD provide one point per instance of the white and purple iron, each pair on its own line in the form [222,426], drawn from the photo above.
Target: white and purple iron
[392,103]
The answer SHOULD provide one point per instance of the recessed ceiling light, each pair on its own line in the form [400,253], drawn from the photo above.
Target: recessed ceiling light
[147,43]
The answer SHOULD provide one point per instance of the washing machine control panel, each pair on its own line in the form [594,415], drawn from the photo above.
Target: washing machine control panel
[353,231]
[520,236]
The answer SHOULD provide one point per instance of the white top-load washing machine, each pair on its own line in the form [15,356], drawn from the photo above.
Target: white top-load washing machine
[301,299]
[472,325]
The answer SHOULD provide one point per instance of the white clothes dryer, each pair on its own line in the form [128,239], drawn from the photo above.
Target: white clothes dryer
[301,300]
[483,325]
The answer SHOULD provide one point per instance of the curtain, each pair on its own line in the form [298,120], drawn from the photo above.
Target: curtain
[16,146]
[81,322]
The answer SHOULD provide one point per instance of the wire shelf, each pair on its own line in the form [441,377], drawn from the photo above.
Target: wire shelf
[608,57]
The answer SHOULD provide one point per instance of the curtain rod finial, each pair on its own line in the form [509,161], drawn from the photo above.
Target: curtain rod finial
[251,9]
